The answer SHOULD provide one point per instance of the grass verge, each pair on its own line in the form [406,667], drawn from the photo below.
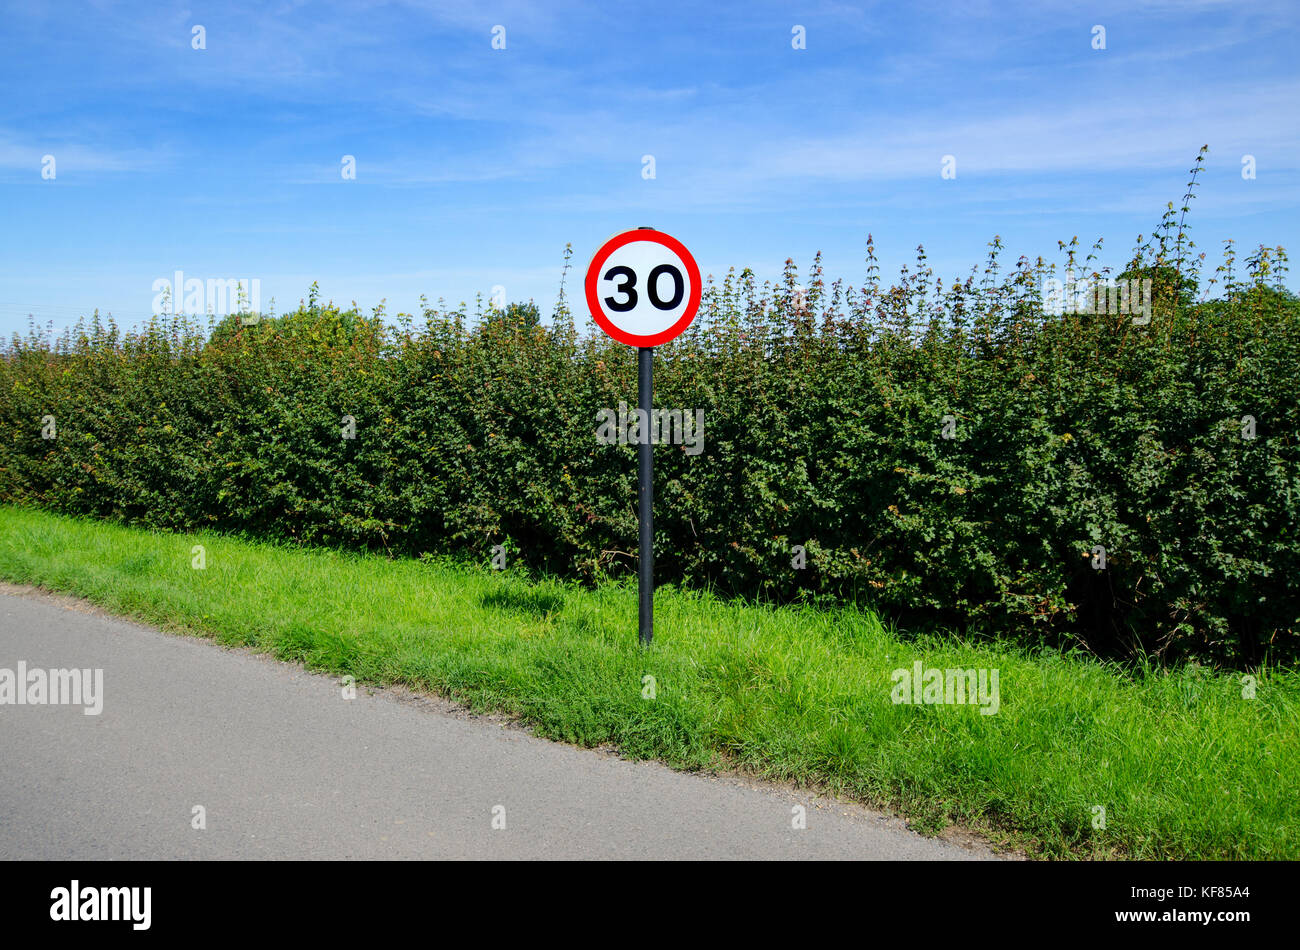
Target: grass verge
[1185,763]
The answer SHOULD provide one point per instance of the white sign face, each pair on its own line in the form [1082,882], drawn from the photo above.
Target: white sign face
[643,287]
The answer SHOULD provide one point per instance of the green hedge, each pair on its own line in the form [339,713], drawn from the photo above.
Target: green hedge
[823,428]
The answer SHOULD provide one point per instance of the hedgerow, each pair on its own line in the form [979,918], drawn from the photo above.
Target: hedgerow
[948,452]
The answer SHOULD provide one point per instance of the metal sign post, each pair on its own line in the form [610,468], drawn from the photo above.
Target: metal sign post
[645,494]
[643,289]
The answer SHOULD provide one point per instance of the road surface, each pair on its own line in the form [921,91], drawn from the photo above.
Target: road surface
[283,766]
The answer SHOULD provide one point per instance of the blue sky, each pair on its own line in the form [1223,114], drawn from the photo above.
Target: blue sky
[474,166]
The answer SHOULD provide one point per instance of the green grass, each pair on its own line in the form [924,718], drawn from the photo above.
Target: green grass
[1185,766]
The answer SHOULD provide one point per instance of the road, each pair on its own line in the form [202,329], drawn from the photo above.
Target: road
[283,766]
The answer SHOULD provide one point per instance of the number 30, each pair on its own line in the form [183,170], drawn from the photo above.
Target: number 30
[628,288]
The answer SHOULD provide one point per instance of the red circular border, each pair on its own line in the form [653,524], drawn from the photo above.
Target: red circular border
[593,276]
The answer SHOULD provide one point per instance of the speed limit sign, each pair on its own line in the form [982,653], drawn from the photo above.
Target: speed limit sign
[643,287]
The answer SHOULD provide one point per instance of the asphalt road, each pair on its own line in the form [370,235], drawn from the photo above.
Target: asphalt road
[284,766]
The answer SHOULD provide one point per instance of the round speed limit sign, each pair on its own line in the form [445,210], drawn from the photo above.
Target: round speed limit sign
[643,287]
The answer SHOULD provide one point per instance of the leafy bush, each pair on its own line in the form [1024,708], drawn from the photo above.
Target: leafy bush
[824,417]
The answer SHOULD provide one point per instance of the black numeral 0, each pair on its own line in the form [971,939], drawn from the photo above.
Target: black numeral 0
[628,288]
[679,286]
